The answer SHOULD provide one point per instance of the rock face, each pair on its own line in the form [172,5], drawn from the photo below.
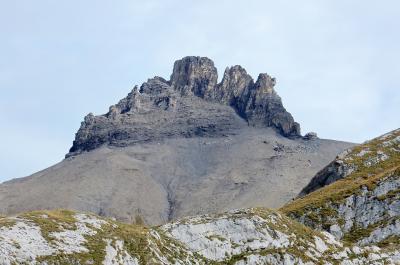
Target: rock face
[248,236]
[152,113]
[187,105]
[233,89]
[194,76]
[357,196]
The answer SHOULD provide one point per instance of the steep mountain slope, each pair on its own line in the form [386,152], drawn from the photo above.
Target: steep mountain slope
[357,196]
[251,236]
[180,147]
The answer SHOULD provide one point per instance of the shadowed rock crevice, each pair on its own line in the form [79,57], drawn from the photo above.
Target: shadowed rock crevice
[191,103]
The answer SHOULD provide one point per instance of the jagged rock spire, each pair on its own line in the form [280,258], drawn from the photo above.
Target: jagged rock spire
[234,88]
[195,75]
[264,107]
[257,102]
[162,108]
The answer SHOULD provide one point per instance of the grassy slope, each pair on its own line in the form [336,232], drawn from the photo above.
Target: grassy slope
[139,241]
[319,203]
[136,238]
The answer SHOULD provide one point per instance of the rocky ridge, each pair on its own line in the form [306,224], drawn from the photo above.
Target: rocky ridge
[357,196]
[187,105]
[248,236]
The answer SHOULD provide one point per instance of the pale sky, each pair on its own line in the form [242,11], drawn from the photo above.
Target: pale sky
[337,63]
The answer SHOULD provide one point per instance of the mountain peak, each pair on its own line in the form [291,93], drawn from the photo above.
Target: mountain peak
[194,74]
[192,103]
[265,82]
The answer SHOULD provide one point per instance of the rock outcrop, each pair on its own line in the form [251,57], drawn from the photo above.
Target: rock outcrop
[154,112]
[357,196]
[189,104]
[248,236]
[264,107]
[310,136]
[194,75]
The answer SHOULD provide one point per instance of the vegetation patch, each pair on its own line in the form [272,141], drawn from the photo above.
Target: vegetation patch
[51,221]
[7,222]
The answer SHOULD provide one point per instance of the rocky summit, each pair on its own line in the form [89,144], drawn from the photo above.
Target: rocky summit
[179,147]
[163,109]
